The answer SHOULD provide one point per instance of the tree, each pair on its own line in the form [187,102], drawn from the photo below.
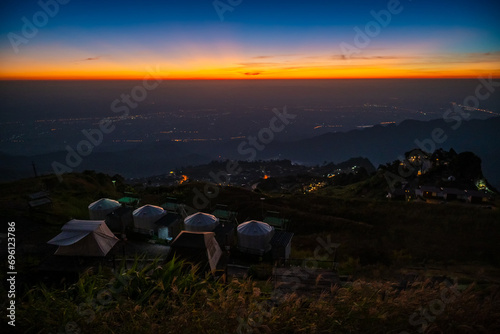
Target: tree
[467,166]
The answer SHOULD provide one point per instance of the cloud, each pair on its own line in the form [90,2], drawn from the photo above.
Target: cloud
[344,57]
[88,59]
[80,61]
[252,73]
[257,64]
[485,54]
[275,55]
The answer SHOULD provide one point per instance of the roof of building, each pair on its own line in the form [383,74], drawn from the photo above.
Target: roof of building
[170,206]
[38,195]
[39,202]
[255,228]
[129,200]
[275,221]
[453,191]
[224,214]
[148,210]
[430,189]
[104,204]
[476,193]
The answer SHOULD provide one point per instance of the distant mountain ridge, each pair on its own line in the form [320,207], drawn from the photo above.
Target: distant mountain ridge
[385,144]
[380,144]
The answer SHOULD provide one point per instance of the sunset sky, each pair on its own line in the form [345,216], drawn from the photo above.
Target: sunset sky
[255,39]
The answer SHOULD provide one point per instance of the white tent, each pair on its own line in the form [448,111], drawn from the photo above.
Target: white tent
[99,209]
[145,218]
[201,222]
[197,247]
[84,238]
[254,237]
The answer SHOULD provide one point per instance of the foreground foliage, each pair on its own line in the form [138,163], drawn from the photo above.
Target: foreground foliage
[171,298]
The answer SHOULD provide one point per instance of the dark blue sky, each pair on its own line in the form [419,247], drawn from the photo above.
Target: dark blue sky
[189,38]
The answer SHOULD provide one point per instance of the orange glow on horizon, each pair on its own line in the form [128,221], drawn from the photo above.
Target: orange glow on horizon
[214,72]
[125,76]
[236,65]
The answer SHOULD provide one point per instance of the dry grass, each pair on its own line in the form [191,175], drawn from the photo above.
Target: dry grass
[171,298]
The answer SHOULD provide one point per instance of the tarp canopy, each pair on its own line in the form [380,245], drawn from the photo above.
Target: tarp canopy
[84,238]
[99,209]
[201,222]
[198,248]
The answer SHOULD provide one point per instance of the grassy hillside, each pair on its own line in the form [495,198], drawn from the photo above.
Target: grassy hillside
[380,241]
[170,298]
[70,198]
[368,226]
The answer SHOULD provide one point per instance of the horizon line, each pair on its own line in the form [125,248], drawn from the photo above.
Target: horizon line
[248,79]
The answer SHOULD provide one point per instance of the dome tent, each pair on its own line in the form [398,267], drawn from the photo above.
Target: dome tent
[99,209]
[254,237]
[145,218]
[201,222]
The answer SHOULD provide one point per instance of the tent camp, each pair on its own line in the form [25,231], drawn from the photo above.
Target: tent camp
[254,237]
[145,218]
[101,208]
[196,247]
[84,238]
[201,222]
